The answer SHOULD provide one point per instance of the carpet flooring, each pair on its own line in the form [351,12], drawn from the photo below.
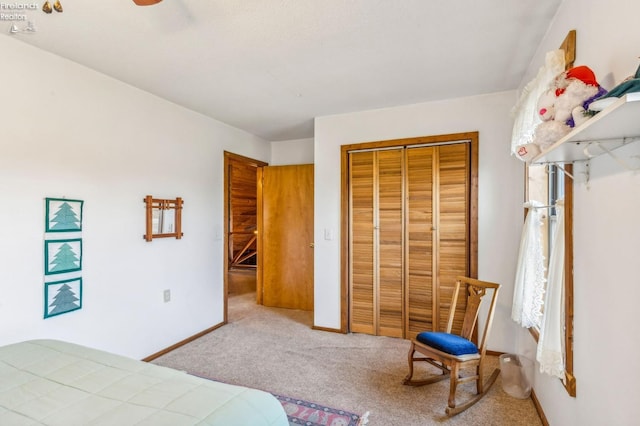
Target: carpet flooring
[277,351]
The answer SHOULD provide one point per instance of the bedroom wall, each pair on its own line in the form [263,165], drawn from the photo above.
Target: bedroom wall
[69,131]
[500,191]
[606,236]
[296,151]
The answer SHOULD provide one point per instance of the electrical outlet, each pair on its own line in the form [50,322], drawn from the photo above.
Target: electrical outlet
[167,296]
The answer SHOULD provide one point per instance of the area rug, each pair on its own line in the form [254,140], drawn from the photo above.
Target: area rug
[300,412]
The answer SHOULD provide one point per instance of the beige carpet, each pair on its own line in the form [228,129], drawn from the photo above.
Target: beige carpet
[276,350]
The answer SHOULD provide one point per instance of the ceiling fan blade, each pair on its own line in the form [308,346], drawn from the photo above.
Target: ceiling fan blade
[146,2]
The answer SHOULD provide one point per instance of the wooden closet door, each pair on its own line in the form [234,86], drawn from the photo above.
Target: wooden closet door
[361,251]
[419,237]
[376,223]
[409,237]
[390,230]
[453,228]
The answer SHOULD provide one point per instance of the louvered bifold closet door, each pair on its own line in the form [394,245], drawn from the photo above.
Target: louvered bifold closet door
[361,252]
[409,237]
[419,237]
[390,229]
[452,224]
[376,223]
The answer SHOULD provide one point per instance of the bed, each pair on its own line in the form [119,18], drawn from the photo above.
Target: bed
[50,382]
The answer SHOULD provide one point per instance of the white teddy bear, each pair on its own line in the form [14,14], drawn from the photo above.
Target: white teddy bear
[562,107]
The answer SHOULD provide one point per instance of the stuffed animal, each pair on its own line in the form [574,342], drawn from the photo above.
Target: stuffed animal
[563,106]
[577,89]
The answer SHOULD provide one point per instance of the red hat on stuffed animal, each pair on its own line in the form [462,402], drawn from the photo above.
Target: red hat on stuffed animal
[584,74]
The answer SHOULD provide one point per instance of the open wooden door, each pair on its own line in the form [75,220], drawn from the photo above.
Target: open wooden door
[285,236]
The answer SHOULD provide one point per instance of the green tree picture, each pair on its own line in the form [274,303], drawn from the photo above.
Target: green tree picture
[65,259]
[63,296]
[63,215]
[65,218]
[64,301]
[63,256]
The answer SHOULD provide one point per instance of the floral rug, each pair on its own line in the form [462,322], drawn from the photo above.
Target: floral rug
[300,412]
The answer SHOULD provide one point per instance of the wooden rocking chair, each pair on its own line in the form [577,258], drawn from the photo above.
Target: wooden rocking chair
[451,352]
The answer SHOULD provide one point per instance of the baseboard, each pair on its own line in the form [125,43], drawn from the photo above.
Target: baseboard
[536,404]
[331,330]
[182,343]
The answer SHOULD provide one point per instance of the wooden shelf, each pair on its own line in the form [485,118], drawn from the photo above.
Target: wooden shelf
[613,127]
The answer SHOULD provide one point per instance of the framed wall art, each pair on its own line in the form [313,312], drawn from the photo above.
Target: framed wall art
[62,296]
[62,256]
[62,215]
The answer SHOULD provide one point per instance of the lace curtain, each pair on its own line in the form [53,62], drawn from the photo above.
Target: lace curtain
[551,348]
[530,280]
[525,112]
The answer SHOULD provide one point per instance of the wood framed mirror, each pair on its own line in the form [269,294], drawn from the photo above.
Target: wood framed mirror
[163,218]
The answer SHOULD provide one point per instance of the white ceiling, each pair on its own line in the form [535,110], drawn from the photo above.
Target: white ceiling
[270,66]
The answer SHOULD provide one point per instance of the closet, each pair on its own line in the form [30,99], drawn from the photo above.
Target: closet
[412,221]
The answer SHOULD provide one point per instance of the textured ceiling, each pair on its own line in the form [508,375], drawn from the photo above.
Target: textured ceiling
[270,66]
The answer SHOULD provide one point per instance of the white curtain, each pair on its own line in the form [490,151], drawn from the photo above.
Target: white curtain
[530,279]
[525,112]
[551,348]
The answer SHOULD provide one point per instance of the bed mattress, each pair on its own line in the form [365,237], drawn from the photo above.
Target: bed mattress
[50,382]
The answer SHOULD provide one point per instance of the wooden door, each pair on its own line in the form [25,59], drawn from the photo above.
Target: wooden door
[438,233]
[362,267]
[410,236]
[389,226]
[452,226]
[285,262]
[377,242]
[420,255]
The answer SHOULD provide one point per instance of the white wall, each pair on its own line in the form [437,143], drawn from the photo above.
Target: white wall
[296,151]
[69,131]
[500,190]
[606,237]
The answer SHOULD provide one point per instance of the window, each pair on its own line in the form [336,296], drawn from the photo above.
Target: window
[556,192]
[548,184]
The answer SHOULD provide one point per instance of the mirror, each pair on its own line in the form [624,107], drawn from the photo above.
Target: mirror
[163,218]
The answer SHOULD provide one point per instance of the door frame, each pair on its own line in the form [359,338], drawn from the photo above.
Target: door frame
[228,158]
[344,204]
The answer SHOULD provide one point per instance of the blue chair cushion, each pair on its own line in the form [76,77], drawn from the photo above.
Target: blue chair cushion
[448,343]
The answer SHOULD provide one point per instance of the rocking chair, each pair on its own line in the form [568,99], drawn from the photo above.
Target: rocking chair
[451,352]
